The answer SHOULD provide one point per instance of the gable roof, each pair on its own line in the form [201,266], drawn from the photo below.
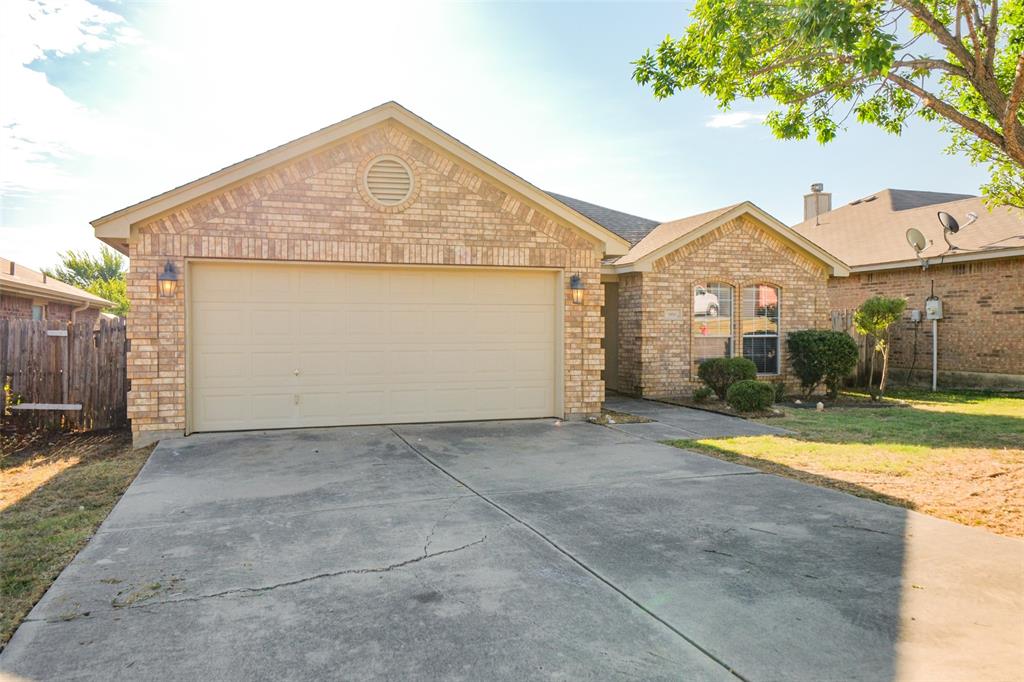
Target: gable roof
[115,228]
[630,227]
[870,233]
[29,283]
[673,235]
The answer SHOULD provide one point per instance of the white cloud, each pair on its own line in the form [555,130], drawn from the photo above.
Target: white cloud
[735,119]
[40,126]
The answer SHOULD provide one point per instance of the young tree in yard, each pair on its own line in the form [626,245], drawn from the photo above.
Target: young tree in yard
[874,318]
[102,275]
[960,62]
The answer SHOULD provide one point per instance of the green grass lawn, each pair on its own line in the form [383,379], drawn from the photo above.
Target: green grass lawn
[54,493]
[958,455]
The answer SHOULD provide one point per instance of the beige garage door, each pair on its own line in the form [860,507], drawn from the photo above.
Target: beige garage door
[277,346]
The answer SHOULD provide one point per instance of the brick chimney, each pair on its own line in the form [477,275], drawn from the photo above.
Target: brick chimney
[817,202]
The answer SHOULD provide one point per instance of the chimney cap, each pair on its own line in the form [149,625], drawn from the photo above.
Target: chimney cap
[818,187]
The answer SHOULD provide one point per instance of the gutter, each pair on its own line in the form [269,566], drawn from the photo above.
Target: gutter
[75,311]
[941,259]
[39,291]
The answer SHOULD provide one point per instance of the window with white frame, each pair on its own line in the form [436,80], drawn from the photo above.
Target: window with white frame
[759,326]
[38,312]
[712,321]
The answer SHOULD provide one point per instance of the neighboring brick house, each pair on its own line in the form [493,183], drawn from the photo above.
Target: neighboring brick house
[729,282]
[29,295]
[980,284]
[380,271]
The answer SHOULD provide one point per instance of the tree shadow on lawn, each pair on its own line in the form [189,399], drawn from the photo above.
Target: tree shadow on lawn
[907,426]
[771,467]
[56,512]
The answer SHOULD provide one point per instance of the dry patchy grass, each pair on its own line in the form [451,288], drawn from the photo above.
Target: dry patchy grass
[56,490]
[959,456]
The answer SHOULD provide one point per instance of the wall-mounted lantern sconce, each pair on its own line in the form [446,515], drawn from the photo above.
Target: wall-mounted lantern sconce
[167,281]
[576,286]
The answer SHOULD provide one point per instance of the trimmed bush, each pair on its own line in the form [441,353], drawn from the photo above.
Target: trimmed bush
[779,386]
[818,356]
[750,396]
[702,394]
[719,374]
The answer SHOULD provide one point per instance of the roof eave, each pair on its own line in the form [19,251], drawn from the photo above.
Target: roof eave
[41,291]
[992,254]
[837,268]
[115,228]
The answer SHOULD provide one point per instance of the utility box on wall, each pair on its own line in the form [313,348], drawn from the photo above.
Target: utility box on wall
[933,308]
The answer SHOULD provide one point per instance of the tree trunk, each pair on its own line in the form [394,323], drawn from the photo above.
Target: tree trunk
[871,365]
[885,370]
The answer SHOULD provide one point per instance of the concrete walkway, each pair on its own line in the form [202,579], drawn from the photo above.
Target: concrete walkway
[513,551]
[673,422]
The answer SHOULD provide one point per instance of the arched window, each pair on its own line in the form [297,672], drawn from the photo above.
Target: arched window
[759,325]
[712,321]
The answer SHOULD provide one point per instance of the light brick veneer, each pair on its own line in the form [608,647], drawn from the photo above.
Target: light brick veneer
[656,308]
[982,330]
[311,210]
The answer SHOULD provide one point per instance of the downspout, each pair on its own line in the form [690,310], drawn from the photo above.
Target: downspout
[75,311]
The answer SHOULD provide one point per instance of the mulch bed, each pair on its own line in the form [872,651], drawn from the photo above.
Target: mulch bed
[721,407]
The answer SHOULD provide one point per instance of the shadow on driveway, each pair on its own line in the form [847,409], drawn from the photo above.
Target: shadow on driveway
[513,550]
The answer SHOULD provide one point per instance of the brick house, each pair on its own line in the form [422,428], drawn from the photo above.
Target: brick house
[29,295]
[980,283]
[380,271]
[727,282]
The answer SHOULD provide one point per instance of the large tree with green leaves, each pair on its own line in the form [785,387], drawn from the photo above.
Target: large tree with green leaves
[960,62]
[102,275]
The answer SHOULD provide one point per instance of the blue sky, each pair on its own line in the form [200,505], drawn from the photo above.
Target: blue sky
[104,104]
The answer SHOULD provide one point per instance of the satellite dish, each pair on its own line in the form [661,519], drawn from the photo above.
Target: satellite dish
[916,239]
[949,223]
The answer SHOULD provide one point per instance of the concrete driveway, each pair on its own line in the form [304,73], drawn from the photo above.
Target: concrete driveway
[513,550]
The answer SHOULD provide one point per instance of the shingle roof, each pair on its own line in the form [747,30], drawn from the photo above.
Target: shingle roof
[28,282]
[872,231]
[669,232]
[630,227]
[904,199]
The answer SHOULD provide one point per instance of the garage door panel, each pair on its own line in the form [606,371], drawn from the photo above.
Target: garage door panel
[224,410]
[367,285]
[371,345]
[322,322]
[409,322]
[266,323]
[360,324]
[269,407]
[277,285]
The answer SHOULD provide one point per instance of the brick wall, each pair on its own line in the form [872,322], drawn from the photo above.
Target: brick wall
[314,210]
[20,308]
[655,354]
[982,329]
[58,311]
[15,307]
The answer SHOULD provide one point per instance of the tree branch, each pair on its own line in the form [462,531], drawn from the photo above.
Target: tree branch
[931,65]
[1011,119]
[940,32]
[991,33]
[950,113]
[972,30]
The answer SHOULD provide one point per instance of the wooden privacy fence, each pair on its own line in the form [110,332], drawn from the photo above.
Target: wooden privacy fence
[62,375]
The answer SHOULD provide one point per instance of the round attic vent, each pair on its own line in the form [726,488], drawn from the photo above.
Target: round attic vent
[388,180]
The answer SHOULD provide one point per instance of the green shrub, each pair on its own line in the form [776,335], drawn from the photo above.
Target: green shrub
[817,356]
[750,396]
[702,394]
[719,374]
[779,386]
